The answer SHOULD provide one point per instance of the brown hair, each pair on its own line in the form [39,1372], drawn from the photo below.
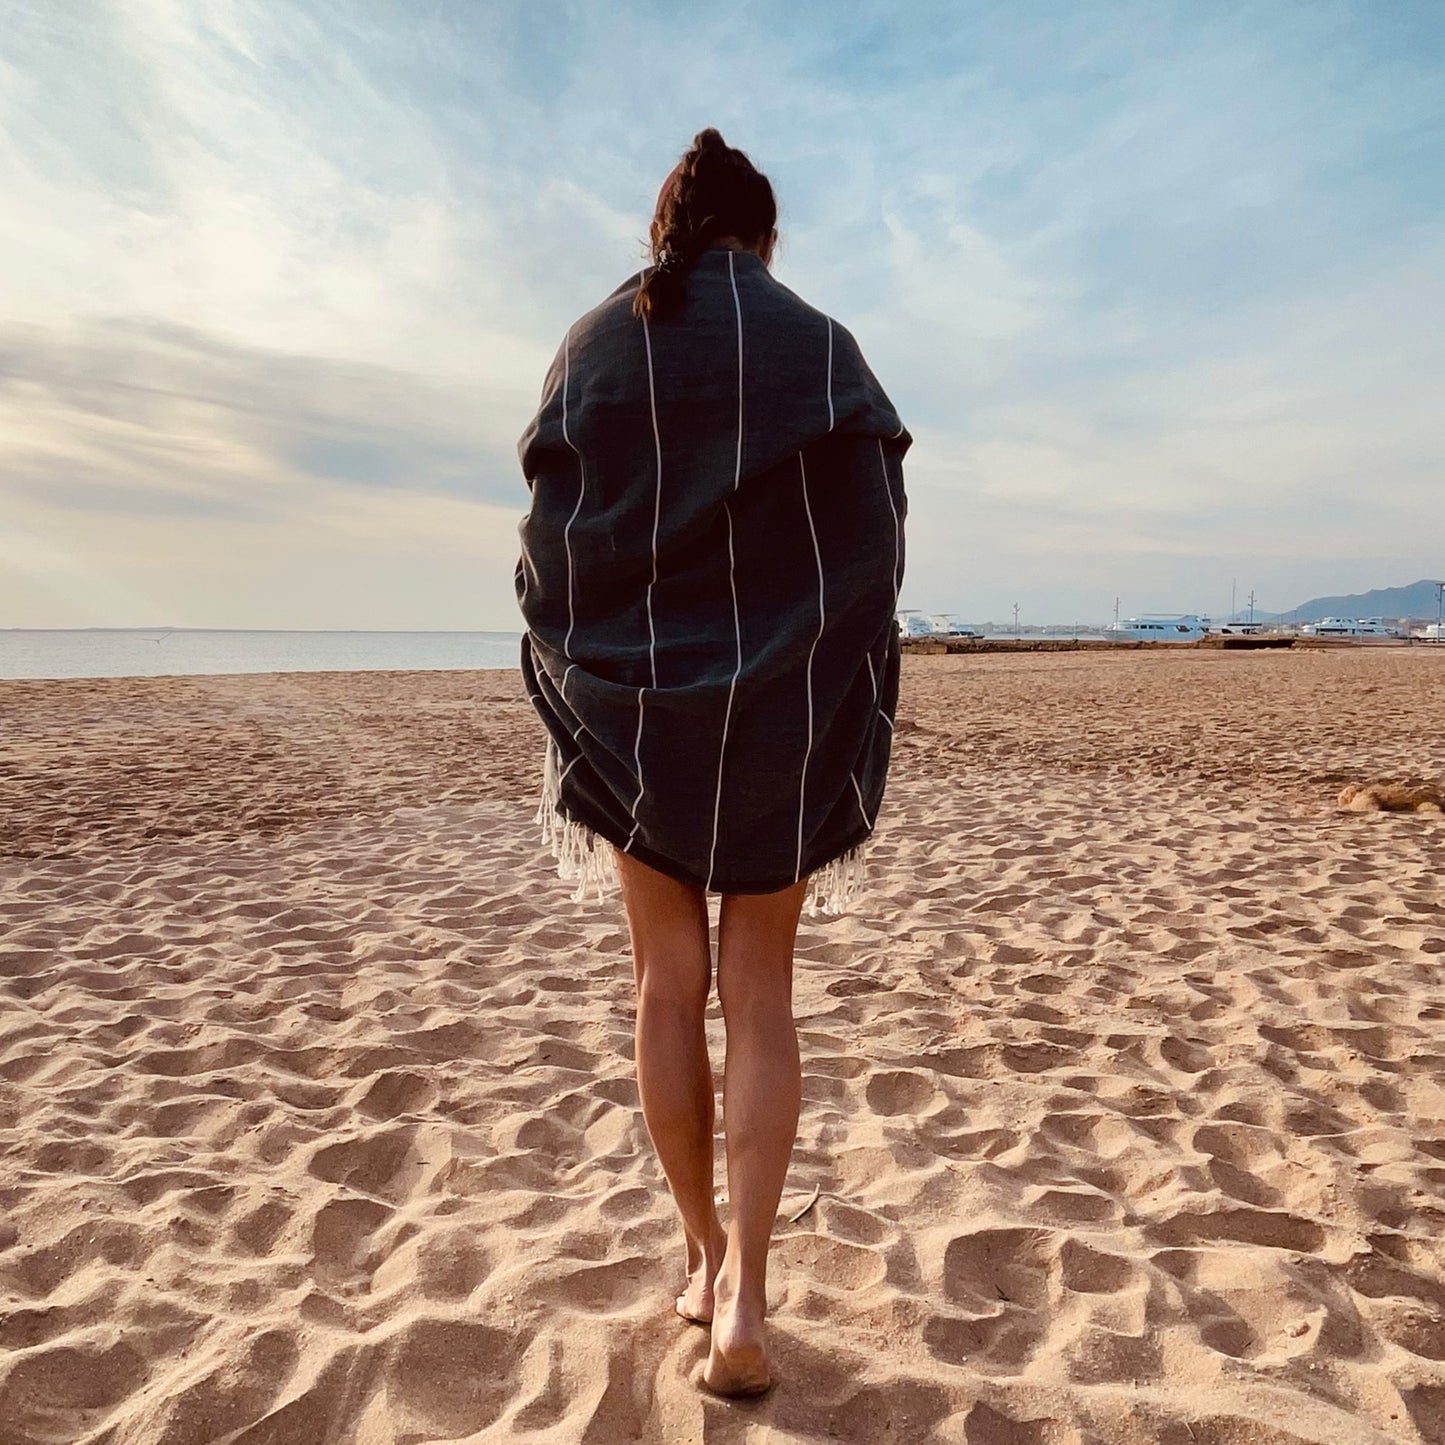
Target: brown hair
[714,191]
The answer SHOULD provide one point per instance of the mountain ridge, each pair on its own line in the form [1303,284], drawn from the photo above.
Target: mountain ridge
[1417,599]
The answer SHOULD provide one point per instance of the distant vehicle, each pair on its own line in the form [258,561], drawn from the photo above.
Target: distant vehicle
[1156,628]
[1351,627]
[1434,632]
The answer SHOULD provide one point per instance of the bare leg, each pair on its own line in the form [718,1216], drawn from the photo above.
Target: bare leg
[762,1087]
[673,965]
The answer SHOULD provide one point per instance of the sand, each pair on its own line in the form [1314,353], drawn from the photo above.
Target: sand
[1124,1087]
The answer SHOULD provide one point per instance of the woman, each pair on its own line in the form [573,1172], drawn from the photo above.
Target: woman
[709,574]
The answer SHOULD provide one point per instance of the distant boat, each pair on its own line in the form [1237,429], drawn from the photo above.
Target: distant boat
[1155,627]
[947,625]
[912,623]
[916,624]
[1351,627]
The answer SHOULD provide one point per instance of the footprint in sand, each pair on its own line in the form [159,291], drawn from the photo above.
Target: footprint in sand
[1086,1270]
[998,1264]
[341,1235]
[453,1377]
[1001,1343]
[1266,1229]
[385,1164]
[900,1091]
[397,1092]
[60,1391]
[831,1263]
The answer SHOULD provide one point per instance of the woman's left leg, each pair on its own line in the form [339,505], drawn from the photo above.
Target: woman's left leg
[673,967]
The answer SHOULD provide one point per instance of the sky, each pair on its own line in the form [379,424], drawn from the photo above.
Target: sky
[1159,288]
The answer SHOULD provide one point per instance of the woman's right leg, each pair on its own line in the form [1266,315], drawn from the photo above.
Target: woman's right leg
[762,1087]
[673,965]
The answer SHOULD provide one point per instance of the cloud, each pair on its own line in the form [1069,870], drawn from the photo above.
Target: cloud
[187,416]
[1156,289]
[267,190]
[156,474]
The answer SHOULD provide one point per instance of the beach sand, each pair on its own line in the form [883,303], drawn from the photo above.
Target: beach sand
[1124,1085]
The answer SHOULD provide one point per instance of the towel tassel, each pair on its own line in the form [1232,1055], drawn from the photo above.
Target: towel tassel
[582,857]
[835,885]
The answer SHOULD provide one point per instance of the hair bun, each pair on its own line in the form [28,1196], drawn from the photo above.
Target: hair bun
[714,192]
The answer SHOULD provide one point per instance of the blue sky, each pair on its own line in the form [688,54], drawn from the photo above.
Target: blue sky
[1157,287]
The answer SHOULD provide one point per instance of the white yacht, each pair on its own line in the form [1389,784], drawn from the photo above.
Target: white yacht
[1154,627]
[1351,627]
[912,623]
[947,625]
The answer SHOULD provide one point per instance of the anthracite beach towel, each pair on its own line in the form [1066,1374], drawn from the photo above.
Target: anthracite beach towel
[709,576]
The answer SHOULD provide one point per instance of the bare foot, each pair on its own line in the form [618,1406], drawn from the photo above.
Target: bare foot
[737,1363]
[695,1303]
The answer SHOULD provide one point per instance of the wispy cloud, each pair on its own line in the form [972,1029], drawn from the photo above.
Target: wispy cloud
[1156,287]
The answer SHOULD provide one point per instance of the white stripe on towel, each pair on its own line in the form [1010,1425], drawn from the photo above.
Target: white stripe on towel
[637,759]
[651,630]
[581,492]
[897,530]
[732,583]
[818,557]
[657,504]
[829,320]
[867,821]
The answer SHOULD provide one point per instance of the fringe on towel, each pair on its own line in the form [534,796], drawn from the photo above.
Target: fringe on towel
[585,860]
[835,885]
[582,857]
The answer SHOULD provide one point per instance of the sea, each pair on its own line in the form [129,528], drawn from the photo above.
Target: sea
[192,652]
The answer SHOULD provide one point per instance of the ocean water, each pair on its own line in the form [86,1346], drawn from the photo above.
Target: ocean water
[102,652]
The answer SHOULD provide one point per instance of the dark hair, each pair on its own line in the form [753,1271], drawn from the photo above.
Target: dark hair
[714,191]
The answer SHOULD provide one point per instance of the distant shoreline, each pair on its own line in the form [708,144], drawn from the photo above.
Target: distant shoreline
[292,631]
[938,646]
[38,653]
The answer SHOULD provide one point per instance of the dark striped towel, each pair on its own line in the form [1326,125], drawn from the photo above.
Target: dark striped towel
[709,574]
